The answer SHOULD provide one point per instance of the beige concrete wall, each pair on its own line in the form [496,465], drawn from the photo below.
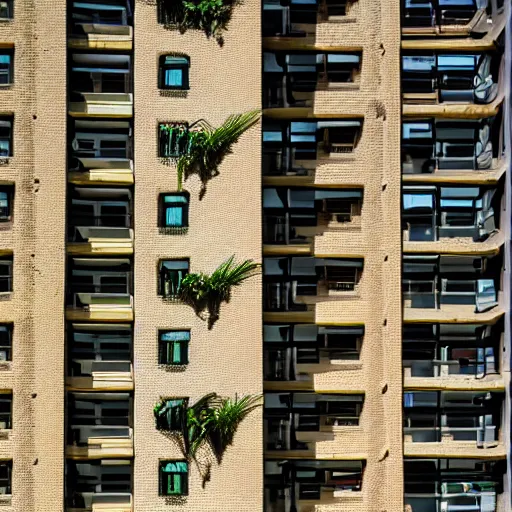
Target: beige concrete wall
[36,238]
[227,359]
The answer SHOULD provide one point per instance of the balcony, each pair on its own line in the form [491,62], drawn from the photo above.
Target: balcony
[455,18]
[101,85]
[101,24]
[451,79]
[99,289]
[300,25]
[294,353]
[293,217]
[296,422]
[453,423]
[291,81]
[99,425]
[103,485]
[293,149]
[451,219]
[298,283]
[440,485]
[100,357]
[101,152]
[452,356]
[99,221]
[457,286]
[300,485]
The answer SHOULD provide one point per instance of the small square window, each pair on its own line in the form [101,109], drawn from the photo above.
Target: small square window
[174,210]
[6,9]
[5,204]
[6,67]
[173,347]
[6,275]
[171,413]
[174,72]
[5,342]
[172,273]
[5,136]
[173,478]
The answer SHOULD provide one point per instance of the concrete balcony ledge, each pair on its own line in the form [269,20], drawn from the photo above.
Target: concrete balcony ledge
[105,502]
[102,104]
[102,447]
[453,110]
[459,177]
[101,307]
[447,245]
[101,381]
[102,240]
[454,383]
[100,36]
[93,171]
[454,449]
[344,501]
[451,314]
[325,365]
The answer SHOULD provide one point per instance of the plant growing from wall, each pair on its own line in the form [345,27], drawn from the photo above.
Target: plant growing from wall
[207,147]
[210,16]
[207,292]
[212,420]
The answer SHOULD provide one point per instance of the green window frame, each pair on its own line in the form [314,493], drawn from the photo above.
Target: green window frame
[174,210]
[173,72]
[173,478]
[172,273]
[173,347]
[170,415]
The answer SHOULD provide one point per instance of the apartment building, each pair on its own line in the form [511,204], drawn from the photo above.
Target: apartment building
[358,152]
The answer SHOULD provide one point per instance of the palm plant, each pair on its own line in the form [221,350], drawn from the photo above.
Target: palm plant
[210,16]
[208,146]
[208,292]
[214,420]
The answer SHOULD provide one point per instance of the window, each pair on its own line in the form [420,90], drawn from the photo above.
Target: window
[171,414]
[174,72]
[5,477]
[5,411]
[5,136]
[6,67]
[173,478]
[174,210]
[5,342]
[6,9]
[173,347]
[6,275]
[172,273]
[173,140]
[5,204]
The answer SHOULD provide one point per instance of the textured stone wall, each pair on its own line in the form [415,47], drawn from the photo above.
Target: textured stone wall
[36,238]
[227,360]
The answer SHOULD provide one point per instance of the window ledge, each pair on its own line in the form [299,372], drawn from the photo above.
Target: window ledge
[173,231]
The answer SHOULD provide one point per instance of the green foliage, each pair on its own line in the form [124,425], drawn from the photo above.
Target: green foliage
[208,146]
[210,16]
[207,292]
[213,420]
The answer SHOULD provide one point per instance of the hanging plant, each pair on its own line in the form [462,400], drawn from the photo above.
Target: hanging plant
[207,292]
[207,147]
[212,420]
[210,16]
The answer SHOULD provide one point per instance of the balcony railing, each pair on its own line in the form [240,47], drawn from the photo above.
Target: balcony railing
[294,147]
[449,78]
[434,145]
[295,216]
[435,281]
[432,213]
[104,17]
[441,485]
[446,16]
[291,80]
[289,482]
[286,280]
[286,415]
[99,484]
[297,19]
[431,416]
